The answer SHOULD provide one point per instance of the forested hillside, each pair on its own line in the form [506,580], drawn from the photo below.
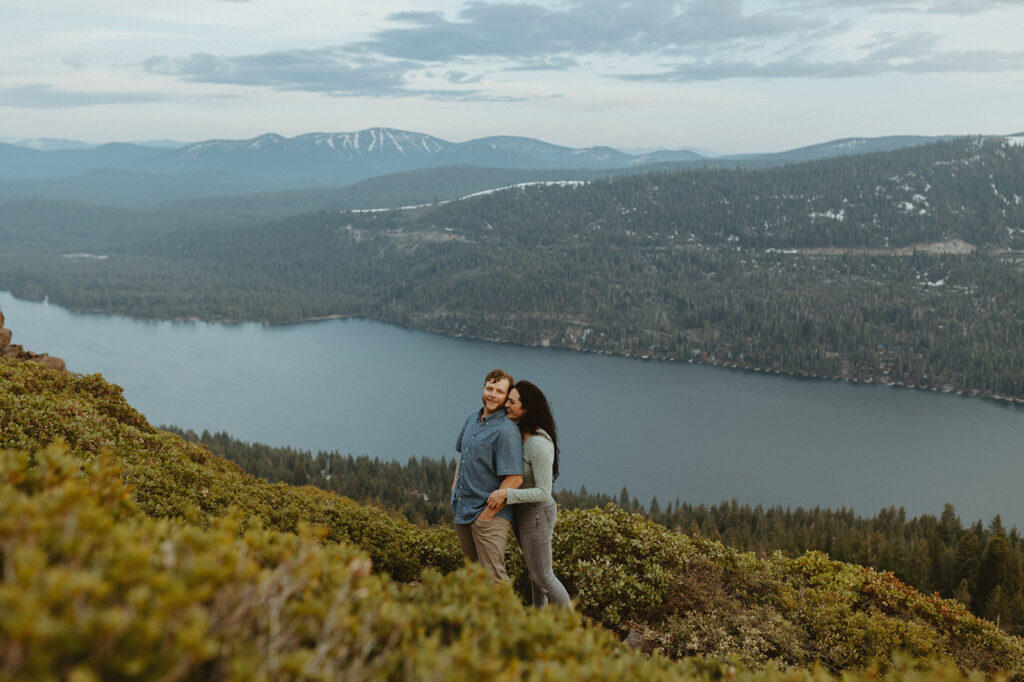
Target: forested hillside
[218,195]
[127,552]
[902,267]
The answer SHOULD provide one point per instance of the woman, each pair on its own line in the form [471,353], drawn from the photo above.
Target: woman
[535,509]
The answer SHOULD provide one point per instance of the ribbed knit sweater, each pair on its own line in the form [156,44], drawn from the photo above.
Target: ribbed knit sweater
[538,461]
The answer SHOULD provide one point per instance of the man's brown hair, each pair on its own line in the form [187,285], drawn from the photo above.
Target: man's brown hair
[498,375]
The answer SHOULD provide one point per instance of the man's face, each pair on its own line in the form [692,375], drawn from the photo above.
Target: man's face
[495,395]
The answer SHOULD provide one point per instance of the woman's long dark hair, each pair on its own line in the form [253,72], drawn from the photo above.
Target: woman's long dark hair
[537,416]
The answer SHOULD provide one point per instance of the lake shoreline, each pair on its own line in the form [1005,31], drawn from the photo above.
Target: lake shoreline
[670,429]
[1006,400]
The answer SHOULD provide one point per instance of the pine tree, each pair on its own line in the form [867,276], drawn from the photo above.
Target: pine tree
[962,593]
[624,498]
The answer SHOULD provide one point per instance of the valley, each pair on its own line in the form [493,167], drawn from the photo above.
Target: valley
[815,269]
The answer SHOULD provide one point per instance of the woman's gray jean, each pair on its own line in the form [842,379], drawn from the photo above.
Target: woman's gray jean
[534,524]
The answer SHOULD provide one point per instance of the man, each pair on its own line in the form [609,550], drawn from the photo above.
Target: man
[490,457]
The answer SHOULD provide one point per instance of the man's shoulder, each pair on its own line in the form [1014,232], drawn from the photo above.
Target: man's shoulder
[507,424]
[510,430]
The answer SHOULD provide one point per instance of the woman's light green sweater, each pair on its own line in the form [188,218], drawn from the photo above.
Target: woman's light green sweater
[538,461]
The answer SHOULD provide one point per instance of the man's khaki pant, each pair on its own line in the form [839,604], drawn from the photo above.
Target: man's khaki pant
[484,542]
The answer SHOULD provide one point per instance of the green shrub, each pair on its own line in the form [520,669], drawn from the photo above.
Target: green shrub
[173,478]
[194,570]
[94,589]
[683,596]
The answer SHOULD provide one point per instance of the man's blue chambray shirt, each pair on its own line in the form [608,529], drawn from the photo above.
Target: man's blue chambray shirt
[491,449]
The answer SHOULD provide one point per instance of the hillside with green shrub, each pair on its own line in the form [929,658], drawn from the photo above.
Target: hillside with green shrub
[981,567]
[127,552]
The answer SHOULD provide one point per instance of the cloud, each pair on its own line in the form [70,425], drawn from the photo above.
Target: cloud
[462,77]
[43,96]
[469,96]
[498,36]
[887,59]
[960,7]
[427,53]
[335,70]
[528,32]
[552,63]
[964,6]
[967,61]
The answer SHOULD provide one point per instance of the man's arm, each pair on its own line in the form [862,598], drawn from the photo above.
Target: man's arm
[458,449]
[509,457]
[515,481]
[507,482]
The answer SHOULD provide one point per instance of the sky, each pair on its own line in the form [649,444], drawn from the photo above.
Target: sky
[727,76]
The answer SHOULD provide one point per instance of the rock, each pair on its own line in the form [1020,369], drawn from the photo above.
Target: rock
[50,361]
[5,334]
[634,639]
[15,351]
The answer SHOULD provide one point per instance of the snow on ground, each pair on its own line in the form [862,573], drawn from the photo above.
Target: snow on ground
[839,215]
[546,183]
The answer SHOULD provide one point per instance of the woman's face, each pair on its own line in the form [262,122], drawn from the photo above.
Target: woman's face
[514,407]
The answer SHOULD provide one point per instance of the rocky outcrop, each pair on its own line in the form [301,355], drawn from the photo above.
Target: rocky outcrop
[13,350]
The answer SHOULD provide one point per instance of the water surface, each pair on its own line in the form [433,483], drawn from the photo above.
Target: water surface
[671,430]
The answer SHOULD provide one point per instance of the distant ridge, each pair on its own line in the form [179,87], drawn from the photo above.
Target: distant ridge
[331,159]
[350,157]
[844,147]
[49,144]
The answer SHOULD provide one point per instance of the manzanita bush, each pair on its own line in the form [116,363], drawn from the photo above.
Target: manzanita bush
[129,553]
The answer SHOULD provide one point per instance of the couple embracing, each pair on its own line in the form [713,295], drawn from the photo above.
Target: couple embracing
[508,460]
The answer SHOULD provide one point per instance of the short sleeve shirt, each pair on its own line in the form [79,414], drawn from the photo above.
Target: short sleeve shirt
[490,449]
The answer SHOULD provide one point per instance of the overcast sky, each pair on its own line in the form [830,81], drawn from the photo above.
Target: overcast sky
[725,75]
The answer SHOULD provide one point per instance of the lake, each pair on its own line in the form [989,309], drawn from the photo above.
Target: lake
[670,430]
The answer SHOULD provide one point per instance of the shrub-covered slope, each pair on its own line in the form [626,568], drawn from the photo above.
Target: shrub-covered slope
[982,567]
[93,589]
[686,596]
[173,478]
[196,570]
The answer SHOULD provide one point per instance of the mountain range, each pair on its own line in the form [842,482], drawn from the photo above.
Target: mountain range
[318,158]
[331,159]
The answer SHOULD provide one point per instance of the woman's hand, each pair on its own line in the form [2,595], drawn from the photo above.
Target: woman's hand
[497,498]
